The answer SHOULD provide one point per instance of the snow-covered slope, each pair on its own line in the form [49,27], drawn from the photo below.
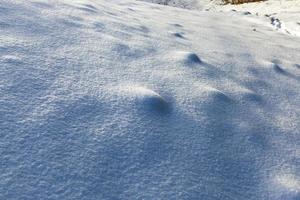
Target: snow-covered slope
[283,15]
[122,99]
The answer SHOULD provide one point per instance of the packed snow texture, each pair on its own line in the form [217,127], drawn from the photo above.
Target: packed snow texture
[120,99]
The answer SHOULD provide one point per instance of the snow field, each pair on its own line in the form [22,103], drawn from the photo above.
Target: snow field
[130,100]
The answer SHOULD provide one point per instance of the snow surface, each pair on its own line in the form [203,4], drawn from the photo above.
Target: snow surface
[283,15]
[119,99]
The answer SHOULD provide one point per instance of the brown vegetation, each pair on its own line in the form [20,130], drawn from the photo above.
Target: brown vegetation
[240,1]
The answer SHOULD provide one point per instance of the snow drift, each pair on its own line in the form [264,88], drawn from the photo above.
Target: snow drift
[129,100]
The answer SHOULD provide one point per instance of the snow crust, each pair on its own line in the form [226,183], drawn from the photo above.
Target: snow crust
[104,100]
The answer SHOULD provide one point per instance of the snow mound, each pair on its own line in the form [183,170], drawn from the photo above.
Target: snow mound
[252,97]
[188,58]
[143,98]
[215,95]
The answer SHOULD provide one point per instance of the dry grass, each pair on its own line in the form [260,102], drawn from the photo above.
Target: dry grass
[240,1]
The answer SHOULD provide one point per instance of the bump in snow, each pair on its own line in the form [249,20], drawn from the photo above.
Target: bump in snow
[189,58]
[144,98]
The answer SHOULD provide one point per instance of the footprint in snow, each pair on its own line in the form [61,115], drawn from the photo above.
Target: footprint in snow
[178,35]
[247,13]
[276,22]
[177,25]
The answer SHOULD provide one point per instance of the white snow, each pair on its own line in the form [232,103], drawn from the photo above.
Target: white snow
[283,15]
[123,99]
